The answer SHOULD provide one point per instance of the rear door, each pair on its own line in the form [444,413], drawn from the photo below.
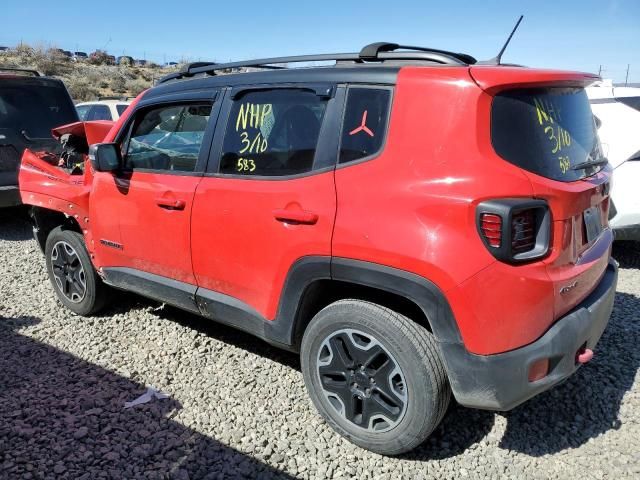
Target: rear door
[268,198]
[143,213]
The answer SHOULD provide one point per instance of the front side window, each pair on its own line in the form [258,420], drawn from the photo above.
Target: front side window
[272,133]
[167,138]
[365,122]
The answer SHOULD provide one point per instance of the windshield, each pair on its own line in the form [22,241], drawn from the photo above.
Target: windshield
[550,132]
[35,108]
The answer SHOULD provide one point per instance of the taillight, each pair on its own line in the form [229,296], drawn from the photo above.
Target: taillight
[515,230]
[491,226]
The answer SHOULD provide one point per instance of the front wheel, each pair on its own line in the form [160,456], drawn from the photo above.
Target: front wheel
[75,281]
[374,375]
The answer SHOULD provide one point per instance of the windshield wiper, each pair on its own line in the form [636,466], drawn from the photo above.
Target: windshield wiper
[585,165]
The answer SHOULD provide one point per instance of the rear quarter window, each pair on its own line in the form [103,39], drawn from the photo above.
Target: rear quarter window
[365,123]
[546,131]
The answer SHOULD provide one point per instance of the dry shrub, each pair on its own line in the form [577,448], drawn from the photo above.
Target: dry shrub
[81,90]
[135,87]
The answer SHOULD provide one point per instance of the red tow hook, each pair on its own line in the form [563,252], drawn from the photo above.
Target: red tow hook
[584,355]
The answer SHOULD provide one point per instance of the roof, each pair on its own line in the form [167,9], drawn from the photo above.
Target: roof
[379,53]
[379,75]
[24,72]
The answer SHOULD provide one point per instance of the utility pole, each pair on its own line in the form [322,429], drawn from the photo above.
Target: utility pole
[599,70]
[626,79]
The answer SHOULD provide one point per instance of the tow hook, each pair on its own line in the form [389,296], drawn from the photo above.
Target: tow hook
[584,355]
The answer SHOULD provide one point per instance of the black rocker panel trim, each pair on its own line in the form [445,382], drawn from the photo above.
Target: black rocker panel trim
[230,311]
[163,289]
[303,273]
[280,331]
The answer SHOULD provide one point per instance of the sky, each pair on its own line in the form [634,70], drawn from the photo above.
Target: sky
[582,35]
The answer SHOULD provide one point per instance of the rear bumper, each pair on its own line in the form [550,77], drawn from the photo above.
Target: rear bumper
[500,381]
[9,196]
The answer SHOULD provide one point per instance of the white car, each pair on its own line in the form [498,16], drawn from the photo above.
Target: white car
[101,110]
[617,115]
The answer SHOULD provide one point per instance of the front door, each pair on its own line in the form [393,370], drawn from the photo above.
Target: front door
[143,212]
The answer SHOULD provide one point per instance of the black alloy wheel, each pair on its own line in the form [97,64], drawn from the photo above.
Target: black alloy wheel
[362,380]
[374,375]
[73,276]
[68,272]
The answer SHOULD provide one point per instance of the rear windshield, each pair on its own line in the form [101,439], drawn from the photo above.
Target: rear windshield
[550,132]
[35,108]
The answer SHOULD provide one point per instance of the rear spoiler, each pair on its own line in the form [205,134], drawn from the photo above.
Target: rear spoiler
[492,79]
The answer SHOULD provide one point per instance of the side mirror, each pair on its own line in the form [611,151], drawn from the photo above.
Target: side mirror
[105,157]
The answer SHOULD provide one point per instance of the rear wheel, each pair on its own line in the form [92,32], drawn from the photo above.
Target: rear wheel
[374,375]
[75,281]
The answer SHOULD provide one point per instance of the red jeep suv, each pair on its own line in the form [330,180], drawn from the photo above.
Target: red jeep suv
[414,223]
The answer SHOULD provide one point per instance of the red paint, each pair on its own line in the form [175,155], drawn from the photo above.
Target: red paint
[250,232]
[94,131]
[413,208]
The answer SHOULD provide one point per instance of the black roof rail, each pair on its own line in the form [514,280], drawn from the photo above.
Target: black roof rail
[375,52]
[35,73]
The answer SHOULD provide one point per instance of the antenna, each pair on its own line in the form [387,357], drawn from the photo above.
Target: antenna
[496,60]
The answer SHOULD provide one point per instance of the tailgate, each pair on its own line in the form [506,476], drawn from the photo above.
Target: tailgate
[548,131]
[581,238]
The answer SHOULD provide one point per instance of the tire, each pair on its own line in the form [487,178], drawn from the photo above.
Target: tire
[75,281]
[408,391]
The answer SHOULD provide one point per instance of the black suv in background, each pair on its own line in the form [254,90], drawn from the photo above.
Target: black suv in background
[30,106]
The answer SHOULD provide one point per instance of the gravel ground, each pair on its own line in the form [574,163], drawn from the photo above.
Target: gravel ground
[238,408]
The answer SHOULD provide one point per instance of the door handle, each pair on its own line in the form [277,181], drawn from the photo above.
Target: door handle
[170,203]
[295,216]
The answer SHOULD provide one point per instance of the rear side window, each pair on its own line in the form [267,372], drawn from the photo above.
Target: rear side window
[167,138]
[99,112]
[550,132]
[273,133]
[365,123]
[120,108]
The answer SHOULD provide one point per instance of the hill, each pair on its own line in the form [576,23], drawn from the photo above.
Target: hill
[89,79]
